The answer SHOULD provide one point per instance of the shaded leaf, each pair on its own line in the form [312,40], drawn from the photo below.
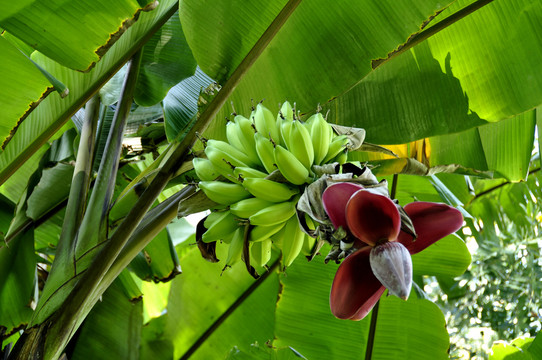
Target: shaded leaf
[181,102]
[112,330]
[166,60]
[17,282]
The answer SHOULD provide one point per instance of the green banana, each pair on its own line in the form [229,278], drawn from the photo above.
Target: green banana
[285,115]
[264,148]
[274,214]
[247,207]
[220,228]
[287,111]
[230,153]
[285,129]
[320,135]
[290,167]
[235,249]
[223,162]
[211,218]
[222,192]
[300,144]
[205,169]
[341,158]
[269,190]
[337,145]
[278,237]
[265,123]
[261,232]
[260,252]
[246,172]
[292,243]
[240,134]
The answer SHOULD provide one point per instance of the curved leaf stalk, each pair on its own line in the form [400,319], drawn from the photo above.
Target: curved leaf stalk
[76,309]
[94,224]
[92,229]
[154,222]
[374,313]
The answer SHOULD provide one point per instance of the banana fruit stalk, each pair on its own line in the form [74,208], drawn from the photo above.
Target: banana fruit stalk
[266,162]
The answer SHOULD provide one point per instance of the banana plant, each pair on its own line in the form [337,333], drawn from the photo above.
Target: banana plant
[436,89]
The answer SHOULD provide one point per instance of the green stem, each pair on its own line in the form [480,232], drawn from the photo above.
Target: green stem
[93,225]
[374,312]
[154,222]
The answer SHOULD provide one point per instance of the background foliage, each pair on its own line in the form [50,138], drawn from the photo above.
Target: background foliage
[448,92]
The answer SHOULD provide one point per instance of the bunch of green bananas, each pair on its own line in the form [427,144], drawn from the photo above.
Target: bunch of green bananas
[257,177]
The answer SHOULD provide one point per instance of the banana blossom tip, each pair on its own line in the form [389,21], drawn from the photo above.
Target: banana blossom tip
[374,219]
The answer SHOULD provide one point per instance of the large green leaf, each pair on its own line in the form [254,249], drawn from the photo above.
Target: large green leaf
[17,282]
[422,92]
[200,296]
[447,257]
[53,112]
[414,329]
[22,84]
[405,330]
[112,329]
[493,53]
[490,147]
[323,49]
[410,97]
[51,28]
[252,322]
[304,320]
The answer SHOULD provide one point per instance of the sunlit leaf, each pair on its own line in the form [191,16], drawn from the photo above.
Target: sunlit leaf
[22,84]
[53,112]
[446,257]
[50,28]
